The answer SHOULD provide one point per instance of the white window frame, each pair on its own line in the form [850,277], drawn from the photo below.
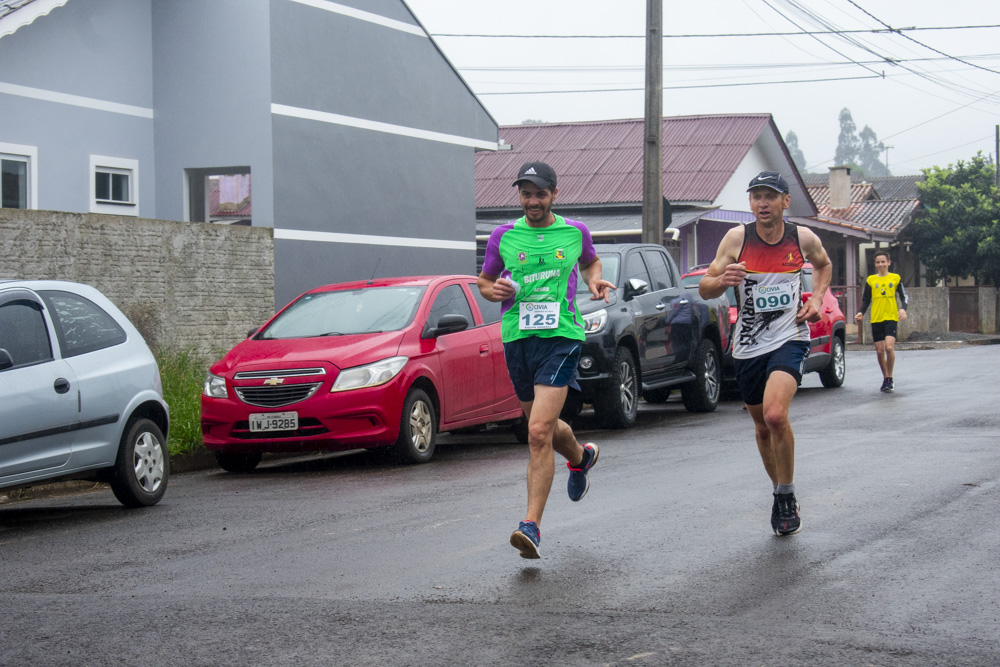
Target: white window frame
[30,155]
[114,165]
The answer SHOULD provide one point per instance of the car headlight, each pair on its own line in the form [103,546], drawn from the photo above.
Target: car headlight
[215,386]
[594,322]
[370,375]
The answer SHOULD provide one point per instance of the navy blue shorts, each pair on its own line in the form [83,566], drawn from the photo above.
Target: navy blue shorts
[752,374]
[549,361]
[882,329]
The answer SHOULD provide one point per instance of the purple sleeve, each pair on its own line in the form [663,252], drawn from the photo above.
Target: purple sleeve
[587,252]
[493,264]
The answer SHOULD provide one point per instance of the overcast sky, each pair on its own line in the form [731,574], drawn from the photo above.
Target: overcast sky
[930,107]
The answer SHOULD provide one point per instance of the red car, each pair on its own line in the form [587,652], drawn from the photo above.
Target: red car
[826,355]
[380,363]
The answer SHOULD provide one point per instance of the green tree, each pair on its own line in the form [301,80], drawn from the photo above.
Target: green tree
[958,233]
[848,143]
[792,141]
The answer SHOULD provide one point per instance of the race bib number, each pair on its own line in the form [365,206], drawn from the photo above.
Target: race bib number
[770,298]
[538,315]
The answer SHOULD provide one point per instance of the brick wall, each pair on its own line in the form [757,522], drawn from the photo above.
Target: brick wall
[182,284]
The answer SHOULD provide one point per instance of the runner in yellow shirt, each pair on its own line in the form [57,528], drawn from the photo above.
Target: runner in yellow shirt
[881,290]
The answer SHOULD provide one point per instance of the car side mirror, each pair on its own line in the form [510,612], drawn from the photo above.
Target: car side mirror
[252,332]
[6,361]
[634,287]
[446,325]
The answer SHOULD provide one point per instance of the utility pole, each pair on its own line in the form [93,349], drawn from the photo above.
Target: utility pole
[887,158]
[996,152]
[652,152]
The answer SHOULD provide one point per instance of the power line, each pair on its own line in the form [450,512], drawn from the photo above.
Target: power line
[969,143]
[872,31]
[985,69]
[710,85]
[693,68]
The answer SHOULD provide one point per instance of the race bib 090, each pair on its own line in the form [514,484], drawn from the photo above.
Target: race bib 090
[769,298]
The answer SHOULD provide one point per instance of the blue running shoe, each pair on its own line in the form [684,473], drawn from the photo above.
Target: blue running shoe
[579,483]
[526,539]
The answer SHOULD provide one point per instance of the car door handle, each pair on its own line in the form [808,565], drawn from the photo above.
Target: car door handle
[61,385]
[660,306]
[484,350]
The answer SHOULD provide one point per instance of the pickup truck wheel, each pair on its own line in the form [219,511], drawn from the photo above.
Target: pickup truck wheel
[702,395]
[833,374]
[617,405]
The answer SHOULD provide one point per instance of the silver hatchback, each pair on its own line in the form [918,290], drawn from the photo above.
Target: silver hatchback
[80,393]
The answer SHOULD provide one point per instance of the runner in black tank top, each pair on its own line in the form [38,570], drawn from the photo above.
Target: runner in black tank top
[763,260]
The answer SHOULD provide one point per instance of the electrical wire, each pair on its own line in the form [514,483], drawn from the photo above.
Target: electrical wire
[721,34]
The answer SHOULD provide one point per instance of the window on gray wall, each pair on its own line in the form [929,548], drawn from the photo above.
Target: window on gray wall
[220,195]
[13,181]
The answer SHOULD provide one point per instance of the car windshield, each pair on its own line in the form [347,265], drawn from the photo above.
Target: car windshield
[609,271]
[341,312]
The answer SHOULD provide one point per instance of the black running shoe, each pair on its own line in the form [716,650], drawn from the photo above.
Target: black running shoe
[886,385]
[785,518]
[892,386]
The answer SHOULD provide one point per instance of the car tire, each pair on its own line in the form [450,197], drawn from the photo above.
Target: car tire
[237,462]
[835,371]
[617,405]
[702,395]
[661,395]
[417,429]
[142,467]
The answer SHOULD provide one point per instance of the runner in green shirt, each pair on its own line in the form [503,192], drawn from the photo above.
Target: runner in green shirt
[531,267]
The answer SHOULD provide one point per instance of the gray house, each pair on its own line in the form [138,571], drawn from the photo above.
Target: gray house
[340,125]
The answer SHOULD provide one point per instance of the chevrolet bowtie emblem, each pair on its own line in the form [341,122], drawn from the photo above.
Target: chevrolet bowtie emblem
[273,381]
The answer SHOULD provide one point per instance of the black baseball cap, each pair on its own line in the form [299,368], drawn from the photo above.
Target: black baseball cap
[538,173]
[769,179]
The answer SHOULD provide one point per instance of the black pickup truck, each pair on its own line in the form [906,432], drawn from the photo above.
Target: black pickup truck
[654,335]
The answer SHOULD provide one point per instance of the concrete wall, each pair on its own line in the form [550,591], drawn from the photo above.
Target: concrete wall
[182,284]
[928,311]
[988,298]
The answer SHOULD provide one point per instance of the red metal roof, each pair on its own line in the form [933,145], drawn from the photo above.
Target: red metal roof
[600,162]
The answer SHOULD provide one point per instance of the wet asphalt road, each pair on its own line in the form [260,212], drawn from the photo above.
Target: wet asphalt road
[668,560]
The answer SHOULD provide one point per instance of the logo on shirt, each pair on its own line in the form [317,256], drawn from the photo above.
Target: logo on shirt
[560,254]
[522,258]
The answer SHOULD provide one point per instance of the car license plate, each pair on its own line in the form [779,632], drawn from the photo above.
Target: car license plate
[274,421]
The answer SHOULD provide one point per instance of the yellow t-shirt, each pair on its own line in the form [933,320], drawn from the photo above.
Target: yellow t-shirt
[883,290]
